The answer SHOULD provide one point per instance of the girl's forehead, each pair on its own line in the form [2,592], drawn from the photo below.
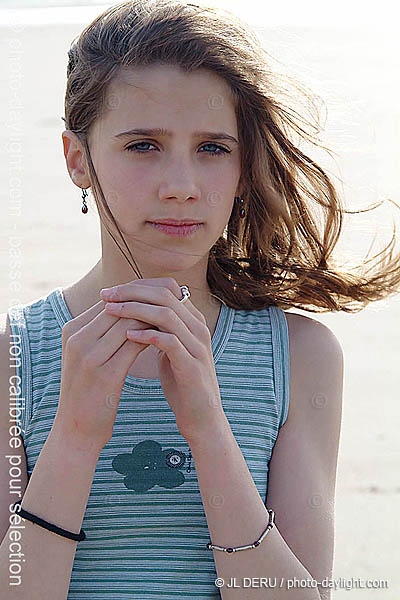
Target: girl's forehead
[160,81]
[142,95]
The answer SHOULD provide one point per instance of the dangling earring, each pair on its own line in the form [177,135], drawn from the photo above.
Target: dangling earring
[242,212]
[84,205]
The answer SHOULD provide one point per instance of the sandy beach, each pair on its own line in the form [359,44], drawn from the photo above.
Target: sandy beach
[57,245]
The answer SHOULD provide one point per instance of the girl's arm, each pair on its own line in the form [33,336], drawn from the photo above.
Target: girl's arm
[303,467]
[301,487]
[58,492]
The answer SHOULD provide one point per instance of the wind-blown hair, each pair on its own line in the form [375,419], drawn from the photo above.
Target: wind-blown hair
[281,252]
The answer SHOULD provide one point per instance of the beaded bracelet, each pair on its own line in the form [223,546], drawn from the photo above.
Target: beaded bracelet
[77,537]
[270,525]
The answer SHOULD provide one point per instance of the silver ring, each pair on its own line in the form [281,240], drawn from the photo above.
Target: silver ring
[185,293]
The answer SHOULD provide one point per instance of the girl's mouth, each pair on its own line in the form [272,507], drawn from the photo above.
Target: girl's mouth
[177,230]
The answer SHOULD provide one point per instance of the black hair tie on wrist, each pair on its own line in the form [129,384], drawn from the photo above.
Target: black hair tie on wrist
[77,537]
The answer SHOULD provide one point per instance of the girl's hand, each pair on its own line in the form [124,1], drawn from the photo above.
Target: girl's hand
[96,357]
[185,360]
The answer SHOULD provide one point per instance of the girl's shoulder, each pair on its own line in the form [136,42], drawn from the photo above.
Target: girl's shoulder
[301,328]
[316,365]
[316,361]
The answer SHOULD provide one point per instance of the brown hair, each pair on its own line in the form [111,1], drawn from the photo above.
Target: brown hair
[281,252]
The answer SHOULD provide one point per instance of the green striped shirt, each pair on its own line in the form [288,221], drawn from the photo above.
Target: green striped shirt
[146,529]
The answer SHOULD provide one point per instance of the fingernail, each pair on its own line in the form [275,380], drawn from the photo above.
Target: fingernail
[114,306]
[107,292]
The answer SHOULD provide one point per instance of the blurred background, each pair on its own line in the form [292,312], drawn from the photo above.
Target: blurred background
[348,54]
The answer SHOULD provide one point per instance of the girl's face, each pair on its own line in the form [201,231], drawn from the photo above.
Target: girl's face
[180,173]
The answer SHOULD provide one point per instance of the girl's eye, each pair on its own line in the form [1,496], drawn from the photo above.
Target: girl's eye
[221,149]
[134,148]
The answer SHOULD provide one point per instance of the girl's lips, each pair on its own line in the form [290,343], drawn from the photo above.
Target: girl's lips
[177,230]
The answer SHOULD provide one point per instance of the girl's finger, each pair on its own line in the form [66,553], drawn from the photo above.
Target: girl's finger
[167,320]
[115,337]
[123,292]
[84,318]
[159,296]
[177,354]
[126,355]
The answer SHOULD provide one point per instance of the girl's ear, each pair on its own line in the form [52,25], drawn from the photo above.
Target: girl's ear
[75,159]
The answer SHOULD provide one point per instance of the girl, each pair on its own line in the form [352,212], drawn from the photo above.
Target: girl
[170,450]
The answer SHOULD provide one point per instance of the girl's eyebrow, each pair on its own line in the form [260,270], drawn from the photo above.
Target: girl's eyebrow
[215,135]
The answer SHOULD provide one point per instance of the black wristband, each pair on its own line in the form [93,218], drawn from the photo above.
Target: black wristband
[77,537]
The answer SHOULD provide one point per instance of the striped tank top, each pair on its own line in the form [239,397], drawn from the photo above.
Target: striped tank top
[146,529]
